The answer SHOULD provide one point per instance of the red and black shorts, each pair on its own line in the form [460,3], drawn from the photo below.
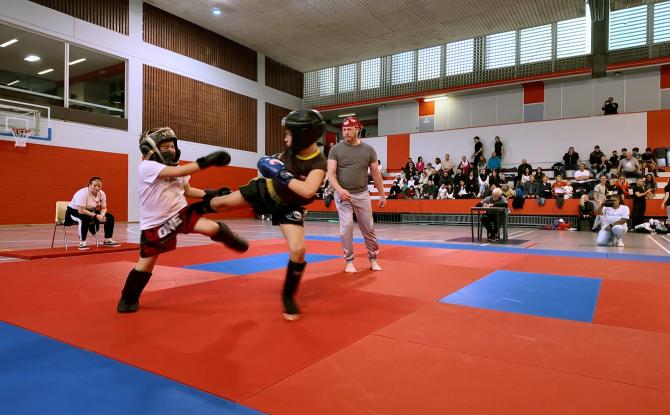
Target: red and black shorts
[163,238]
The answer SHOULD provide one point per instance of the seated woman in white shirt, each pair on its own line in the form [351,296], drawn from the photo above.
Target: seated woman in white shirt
[88,209]
[614,222]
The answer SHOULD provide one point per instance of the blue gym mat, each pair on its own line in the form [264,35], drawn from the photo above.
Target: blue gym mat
[251,265]
[39,375]
[557,296]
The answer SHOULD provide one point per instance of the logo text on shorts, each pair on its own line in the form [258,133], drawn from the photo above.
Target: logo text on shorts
[169,226]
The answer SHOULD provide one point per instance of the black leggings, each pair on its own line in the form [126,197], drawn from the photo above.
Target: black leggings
[87,224]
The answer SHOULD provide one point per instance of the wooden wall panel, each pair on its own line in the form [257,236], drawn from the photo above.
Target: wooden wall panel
[283,78]
[110,14]
[178,35]
[274,133]
[198,112]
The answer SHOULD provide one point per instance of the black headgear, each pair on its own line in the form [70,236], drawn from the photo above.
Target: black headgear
[151,140]
[306,127]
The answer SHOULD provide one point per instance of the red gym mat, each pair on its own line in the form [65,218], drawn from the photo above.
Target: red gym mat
[72,251]
[639,305]
[381,375]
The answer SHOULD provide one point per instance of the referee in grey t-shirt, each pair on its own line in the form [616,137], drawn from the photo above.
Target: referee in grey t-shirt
[348,164]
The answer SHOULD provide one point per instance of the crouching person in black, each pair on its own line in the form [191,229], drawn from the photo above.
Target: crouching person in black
[491,220]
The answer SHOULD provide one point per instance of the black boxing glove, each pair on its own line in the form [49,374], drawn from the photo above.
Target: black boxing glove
[218,158]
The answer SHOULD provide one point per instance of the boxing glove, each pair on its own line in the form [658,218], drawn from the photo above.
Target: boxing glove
[218,158]
[274,169]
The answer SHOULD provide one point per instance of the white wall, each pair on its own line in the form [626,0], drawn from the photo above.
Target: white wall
[39,19]
[398,118]
[380,145]
[484,108]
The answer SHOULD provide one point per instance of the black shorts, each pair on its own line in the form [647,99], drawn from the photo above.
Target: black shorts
[163,238]
[260,194]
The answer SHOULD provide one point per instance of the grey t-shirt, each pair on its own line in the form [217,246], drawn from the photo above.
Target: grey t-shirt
[352,164]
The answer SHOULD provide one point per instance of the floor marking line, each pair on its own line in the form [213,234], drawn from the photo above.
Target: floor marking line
[658,243]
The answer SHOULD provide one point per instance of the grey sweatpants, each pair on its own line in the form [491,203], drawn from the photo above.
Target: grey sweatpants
[360,205]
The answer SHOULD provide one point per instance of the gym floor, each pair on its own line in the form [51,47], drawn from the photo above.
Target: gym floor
[549,323]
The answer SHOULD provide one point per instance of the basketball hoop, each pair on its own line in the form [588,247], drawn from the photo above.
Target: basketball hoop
[21,136]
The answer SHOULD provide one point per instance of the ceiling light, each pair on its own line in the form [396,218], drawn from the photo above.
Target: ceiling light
[216,11]
[351,114]
[435,98]
[45,71]
[77,61]
[13,82]
[9,42]
[31,58]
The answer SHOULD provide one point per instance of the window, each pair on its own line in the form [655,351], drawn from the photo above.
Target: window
[371,73]
[535,44]
[347,78]
[500,50]
[429,63]
[32,64]
[402,68]
[662,22]
[460,57]
[573,37]
[327,81]
[97,82]
[628,28]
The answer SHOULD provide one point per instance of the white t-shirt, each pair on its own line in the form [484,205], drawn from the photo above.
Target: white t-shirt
[87,200]
[611,215]
[586,174]
[160,197]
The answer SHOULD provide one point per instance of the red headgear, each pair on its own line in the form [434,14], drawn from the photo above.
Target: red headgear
[352,122]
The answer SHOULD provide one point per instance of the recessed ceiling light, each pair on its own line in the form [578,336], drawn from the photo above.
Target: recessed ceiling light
[351,114]
[9,42]
[216,11]
[45,71]
[13,82]
[31,58]
[77,61]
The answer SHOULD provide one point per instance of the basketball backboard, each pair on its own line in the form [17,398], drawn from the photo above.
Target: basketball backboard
[23,115]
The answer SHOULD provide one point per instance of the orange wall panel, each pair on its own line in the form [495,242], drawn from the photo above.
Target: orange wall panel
[533,92]
[37,176]
[426,108]
[658,128]
[397,151]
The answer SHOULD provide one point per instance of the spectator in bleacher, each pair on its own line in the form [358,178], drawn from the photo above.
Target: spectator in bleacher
[395,190]
[381,169]
[545,191]
[622,184]
[531,189]
[490,220]
[461,191]
[447,164]
[429,190]
[521,169]
[614,222]
[494,162]
[595,159]
[526,174]
[494,178]
[570,159]
[600,190]
[411,193]
[629,166]
[451,194]
[499,148]
[538,173]
[459,176]
[558,190]
[650,183]
[623,153]
[479,151]
[604,167]
[649,161]
[583,179]
[613,189]
[483,181]
[640,193]
[464,166]
[481,164]
[610,107]
[636,153]
[586,211]
[442,192]
[507,191]
[420,165]
[614,159]
[438,164]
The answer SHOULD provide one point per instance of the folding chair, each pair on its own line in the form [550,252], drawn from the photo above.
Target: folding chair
[59,220]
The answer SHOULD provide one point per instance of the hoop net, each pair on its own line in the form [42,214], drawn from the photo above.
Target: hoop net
[21,136]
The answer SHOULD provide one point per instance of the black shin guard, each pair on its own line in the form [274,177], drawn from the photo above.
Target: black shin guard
[291,282]
[230,239]
[130,296]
